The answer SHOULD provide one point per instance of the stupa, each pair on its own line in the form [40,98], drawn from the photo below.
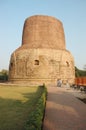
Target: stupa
[42,56]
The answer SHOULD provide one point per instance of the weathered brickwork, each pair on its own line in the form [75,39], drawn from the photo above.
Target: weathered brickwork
[42,57]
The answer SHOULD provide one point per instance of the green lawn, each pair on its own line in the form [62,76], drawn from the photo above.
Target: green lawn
[15,105]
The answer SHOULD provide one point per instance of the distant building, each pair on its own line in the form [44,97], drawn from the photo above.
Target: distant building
[42,57]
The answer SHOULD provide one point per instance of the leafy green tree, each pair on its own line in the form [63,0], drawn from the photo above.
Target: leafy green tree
[79,73]
[4,75]
[76,72]
[84,67]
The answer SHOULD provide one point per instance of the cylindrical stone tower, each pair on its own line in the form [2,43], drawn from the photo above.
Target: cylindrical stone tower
[42,57]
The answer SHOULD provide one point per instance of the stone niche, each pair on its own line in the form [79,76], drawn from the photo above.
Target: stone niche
[42,57]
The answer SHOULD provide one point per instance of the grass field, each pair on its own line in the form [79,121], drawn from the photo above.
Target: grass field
[15,105]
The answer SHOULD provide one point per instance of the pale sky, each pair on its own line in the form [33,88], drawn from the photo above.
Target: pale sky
[72,13]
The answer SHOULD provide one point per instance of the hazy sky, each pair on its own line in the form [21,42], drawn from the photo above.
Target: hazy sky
[72,13]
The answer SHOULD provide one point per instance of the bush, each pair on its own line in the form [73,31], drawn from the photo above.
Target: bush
[36,117]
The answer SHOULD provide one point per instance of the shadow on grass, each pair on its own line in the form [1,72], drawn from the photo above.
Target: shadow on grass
[14,113]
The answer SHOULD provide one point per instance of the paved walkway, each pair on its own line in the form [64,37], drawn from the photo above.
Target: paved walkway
[64,111]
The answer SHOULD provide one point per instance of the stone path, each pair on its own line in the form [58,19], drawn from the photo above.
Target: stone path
[64,111]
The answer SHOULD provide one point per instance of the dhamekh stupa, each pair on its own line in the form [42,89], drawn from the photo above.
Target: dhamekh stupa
[42,57]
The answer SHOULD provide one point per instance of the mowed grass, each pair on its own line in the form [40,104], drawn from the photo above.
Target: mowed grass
[16,103]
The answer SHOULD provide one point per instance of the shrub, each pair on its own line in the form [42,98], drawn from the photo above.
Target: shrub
[36,117]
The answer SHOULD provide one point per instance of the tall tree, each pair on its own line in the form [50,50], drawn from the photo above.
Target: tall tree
[84,67]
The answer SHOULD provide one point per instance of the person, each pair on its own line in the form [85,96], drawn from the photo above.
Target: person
[67,84]
[59,83]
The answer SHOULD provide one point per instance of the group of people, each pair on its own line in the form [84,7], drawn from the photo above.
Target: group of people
[59,83]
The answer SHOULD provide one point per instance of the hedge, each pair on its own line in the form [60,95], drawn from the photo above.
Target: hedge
[36,117]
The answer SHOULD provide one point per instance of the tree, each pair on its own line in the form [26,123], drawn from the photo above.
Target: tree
[4,75]
[84,67]
[79,73]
